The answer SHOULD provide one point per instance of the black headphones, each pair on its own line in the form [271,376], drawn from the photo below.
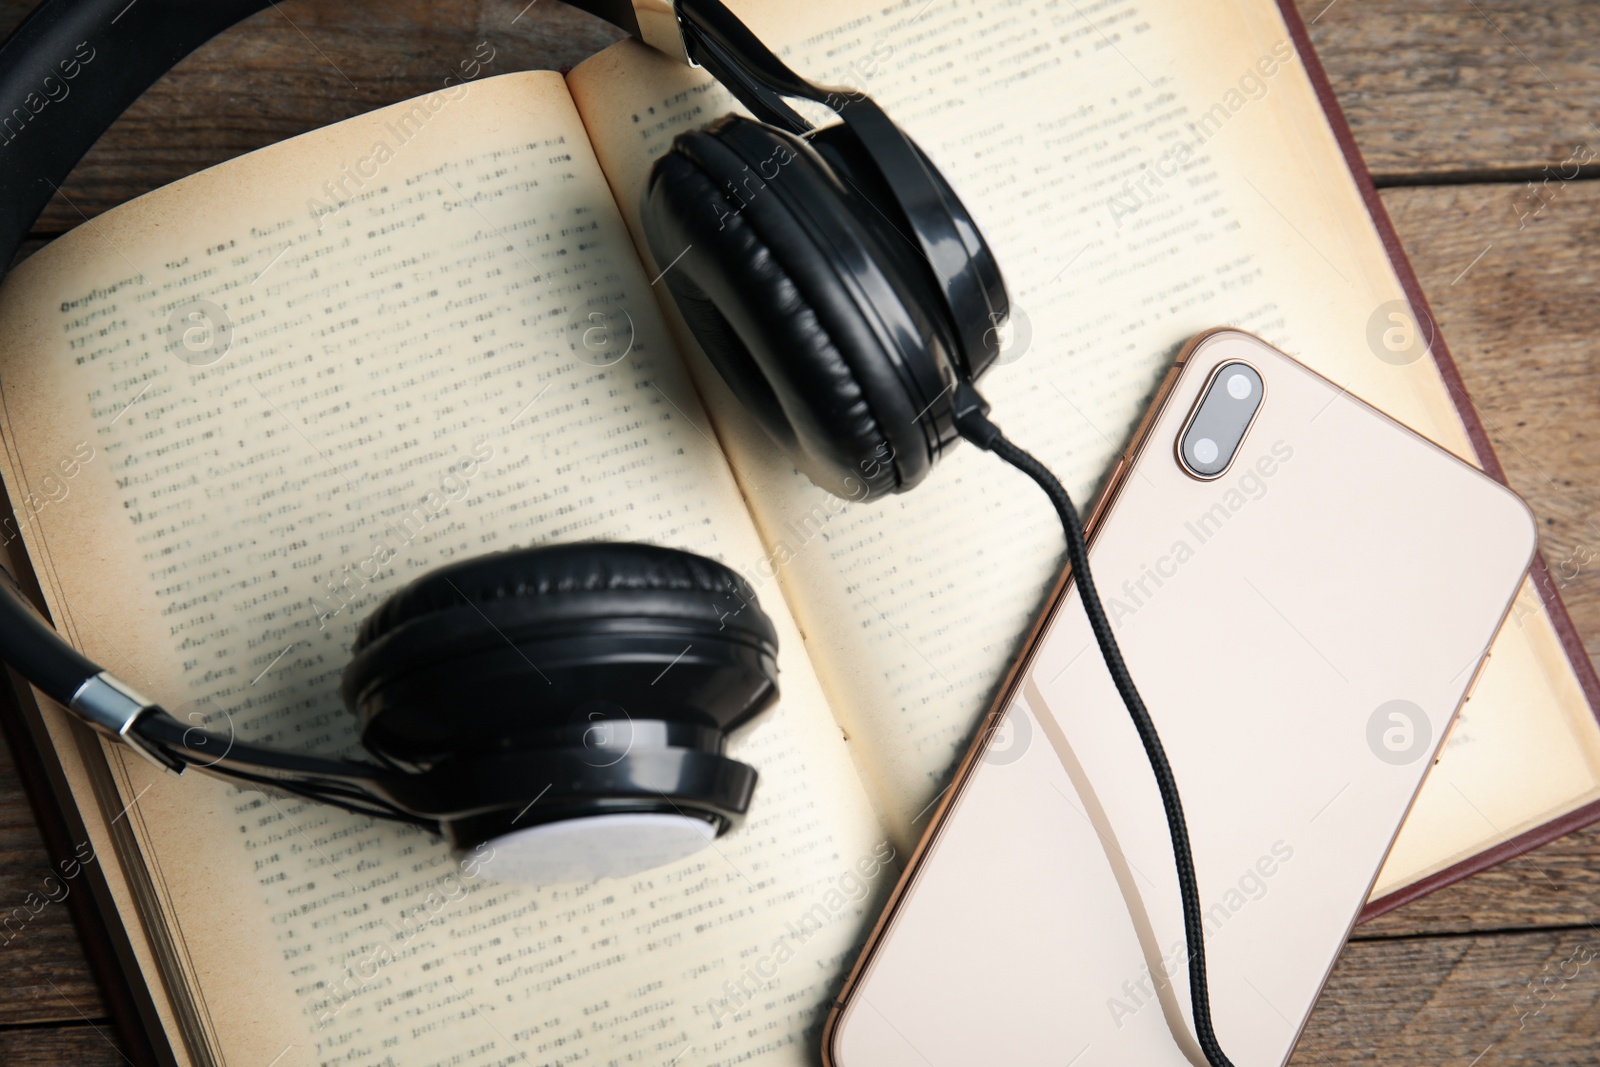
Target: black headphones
[846,296]
[525,693]
[832,276]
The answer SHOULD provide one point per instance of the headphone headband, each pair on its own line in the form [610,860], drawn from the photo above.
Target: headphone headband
[140,43]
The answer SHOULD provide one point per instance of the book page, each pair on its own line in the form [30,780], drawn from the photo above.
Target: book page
[1144,170]
[242,410]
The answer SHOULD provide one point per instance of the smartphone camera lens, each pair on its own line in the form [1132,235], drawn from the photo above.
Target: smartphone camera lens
[1220,420]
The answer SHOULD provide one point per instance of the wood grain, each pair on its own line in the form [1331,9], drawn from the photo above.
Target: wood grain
[1529,998]
[86,1044]
[1554,886]
[42,967]
[1461,89]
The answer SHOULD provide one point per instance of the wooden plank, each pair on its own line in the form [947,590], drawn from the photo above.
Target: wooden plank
[1476,90]
[1554,886]
[88,1044]
[1432,88]
[1516,299]
[1488,1000]
[45,975]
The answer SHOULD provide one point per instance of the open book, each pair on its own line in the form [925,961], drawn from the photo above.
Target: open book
[432,332]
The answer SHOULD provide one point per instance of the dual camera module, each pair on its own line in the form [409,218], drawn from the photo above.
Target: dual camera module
[1220,420]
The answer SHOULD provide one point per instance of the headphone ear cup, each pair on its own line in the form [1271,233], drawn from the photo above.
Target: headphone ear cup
[814,324]
[535,647]
[568,706]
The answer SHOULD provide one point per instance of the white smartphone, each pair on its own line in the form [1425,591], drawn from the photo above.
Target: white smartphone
[1305,591]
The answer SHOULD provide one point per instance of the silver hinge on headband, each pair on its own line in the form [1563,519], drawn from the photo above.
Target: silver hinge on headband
[658,28]
[112,706]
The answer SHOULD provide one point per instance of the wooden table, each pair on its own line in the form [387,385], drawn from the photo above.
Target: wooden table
[1457,104]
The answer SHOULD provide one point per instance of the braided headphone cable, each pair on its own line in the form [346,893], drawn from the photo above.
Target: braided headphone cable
[973,423]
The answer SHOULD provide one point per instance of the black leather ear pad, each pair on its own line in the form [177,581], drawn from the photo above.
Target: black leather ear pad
[582,581]
[797,291]
[516,645]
